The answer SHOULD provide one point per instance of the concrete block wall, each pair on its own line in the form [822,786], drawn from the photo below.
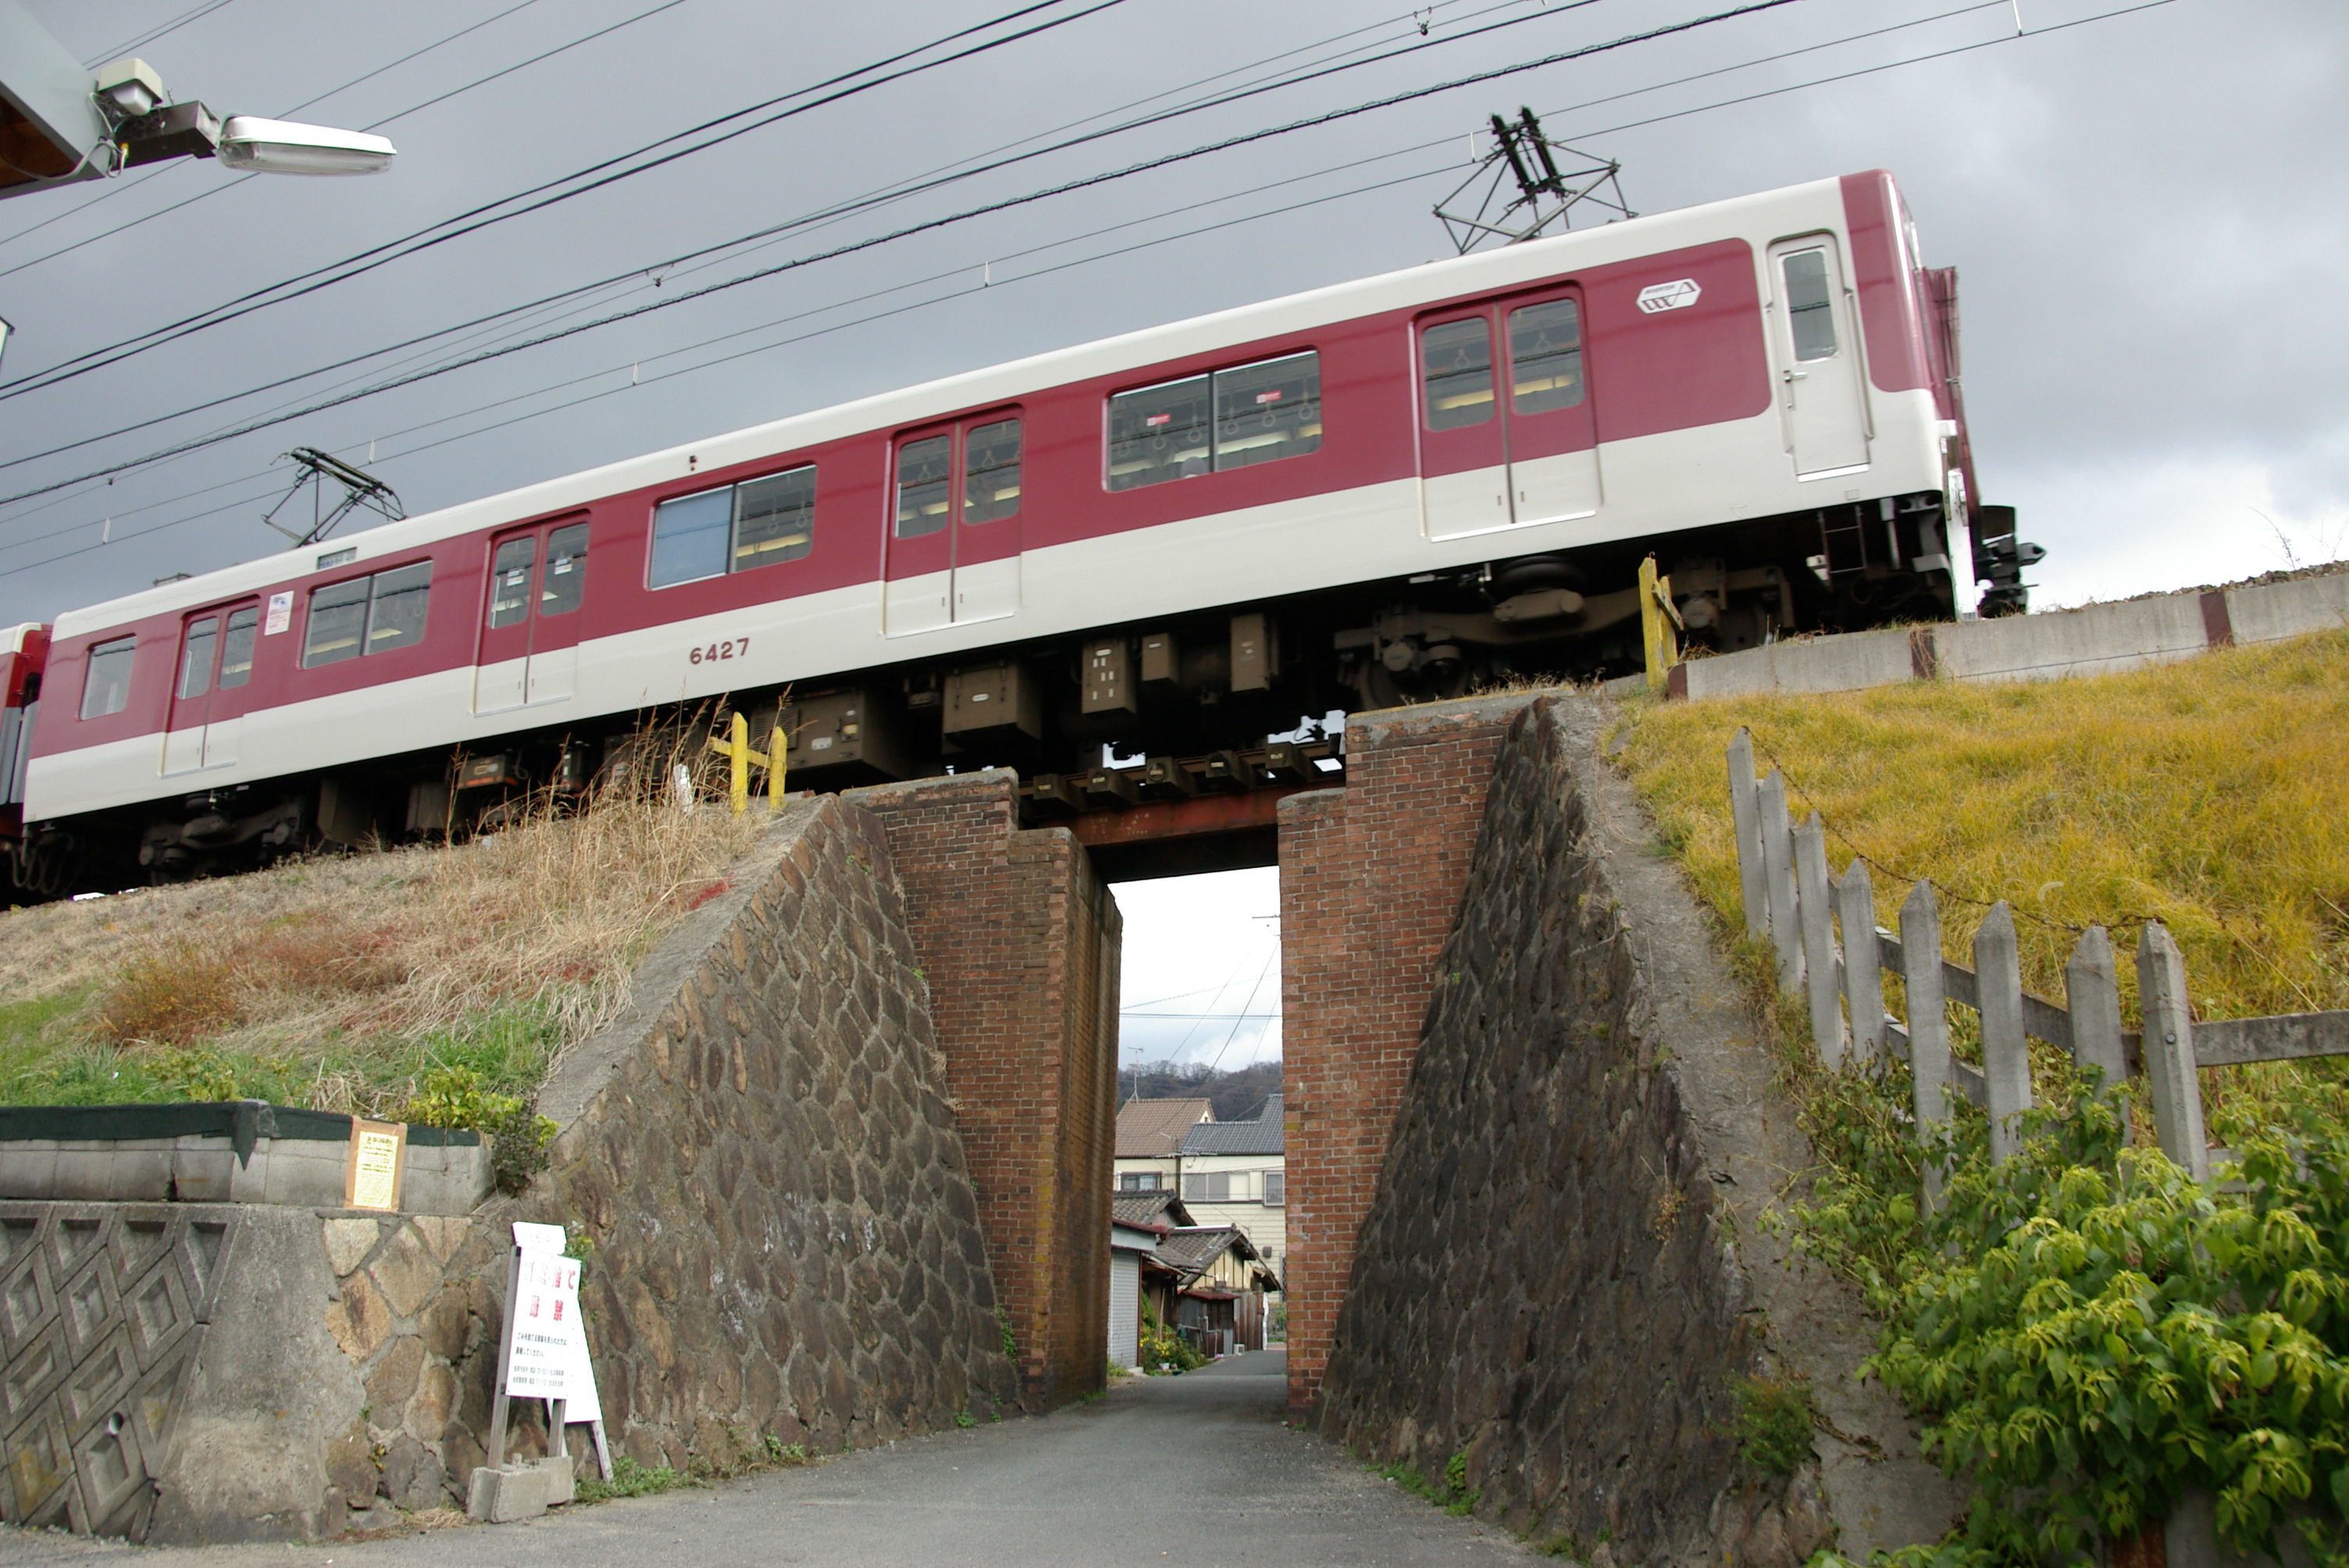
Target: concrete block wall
[1370,878]
[2091,640]
[1019,940]
[435,1179]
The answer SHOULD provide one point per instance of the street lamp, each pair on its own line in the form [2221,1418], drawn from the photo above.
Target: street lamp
[60,125]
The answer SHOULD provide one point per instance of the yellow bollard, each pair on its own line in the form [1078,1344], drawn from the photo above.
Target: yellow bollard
[1658,616]
[736,749]
[777,750]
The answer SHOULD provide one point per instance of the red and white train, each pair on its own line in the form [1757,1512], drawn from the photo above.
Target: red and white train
[1179,541]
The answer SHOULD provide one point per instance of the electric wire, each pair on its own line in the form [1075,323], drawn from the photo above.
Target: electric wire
[427,237]
[615,391]
[926,226]
[1697,109]
[815,220]
[193,14]
[1981,4]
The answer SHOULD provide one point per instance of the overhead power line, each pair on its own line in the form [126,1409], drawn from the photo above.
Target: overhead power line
[927,226]
[757,240]
[193,14]
[486,215]
[1841,77]
[429,236]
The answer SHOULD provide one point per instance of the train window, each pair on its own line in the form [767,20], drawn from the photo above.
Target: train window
[1456,367]
[1206,424]
[1810,308]
[337,623]
[1160,433]
[566,570]
[1545,356]
[689,537]
[107,687]
[923,485]
[196,656]
[366,615]
[509,577]
[774,518]
[991,471]
[1268,410]
[236,648]
[396,607]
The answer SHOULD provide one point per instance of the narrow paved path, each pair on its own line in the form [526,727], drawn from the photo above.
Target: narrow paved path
[1196,1471]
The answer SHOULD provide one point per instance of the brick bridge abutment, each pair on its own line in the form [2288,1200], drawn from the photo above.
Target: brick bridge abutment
[1018,941]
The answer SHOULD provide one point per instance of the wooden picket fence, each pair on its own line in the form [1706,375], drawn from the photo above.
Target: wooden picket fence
[1795,902]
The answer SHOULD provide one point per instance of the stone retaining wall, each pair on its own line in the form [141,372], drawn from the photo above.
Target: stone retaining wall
[1562,1275]
[759,1159]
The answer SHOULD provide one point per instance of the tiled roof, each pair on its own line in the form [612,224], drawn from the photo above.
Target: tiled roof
[1261,1136]
[1195,1248]
[1147,1128]
[1148,1208]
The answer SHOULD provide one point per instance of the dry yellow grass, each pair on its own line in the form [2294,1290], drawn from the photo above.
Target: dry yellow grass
[2211,794]
[336,982]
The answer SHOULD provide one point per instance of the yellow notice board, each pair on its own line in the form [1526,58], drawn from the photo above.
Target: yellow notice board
[371,1175]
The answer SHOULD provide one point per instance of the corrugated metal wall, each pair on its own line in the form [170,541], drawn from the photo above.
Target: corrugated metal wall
[1124,1311]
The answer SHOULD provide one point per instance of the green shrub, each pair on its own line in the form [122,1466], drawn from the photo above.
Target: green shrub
[1773,1424]
[2087,1333]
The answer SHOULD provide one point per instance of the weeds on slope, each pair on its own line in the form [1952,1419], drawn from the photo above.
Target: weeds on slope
[2211,794]
[339,983]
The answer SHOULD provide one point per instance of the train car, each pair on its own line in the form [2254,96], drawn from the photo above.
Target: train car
[1176,543]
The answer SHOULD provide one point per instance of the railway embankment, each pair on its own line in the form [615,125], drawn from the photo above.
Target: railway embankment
[756,1150]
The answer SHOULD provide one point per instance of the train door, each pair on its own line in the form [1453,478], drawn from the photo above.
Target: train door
[1822,397]
[529,649]
[208,697]
[1490,461]
[1463,448]
[954,535]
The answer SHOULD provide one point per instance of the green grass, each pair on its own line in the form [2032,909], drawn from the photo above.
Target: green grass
[51,1054]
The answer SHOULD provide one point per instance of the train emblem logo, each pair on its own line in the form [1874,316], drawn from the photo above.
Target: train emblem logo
[1678,294]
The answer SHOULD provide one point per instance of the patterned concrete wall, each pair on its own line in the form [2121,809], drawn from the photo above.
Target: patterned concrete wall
[101,1307]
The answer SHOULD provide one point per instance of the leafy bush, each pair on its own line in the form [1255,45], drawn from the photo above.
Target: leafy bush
[2088,1334]
[519,1137]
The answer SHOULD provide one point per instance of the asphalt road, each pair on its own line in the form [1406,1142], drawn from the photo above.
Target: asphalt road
[1196,1471]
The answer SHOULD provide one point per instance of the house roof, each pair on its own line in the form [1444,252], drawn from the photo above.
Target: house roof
[1195,1247]
[1261,1136]
[1153,1210]
[1147,1128]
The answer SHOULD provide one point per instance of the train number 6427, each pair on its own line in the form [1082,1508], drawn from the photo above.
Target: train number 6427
[733,647]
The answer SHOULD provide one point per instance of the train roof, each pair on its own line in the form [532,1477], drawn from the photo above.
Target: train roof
[1479,272]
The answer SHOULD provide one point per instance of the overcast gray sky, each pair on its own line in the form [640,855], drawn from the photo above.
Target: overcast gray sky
[2148,212]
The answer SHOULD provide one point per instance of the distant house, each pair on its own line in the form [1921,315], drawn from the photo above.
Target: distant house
[1137,1275]
[1235,1173]
[1219,1303]
[1149,1141]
